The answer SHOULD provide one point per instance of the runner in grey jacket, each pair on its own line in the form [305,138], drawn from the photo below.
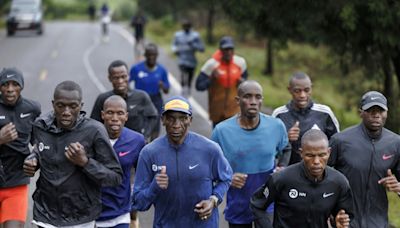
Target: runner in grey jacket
[368,155]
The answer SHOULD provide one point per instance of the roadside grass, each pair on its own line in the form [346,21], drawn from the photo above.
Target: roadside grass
[318,62]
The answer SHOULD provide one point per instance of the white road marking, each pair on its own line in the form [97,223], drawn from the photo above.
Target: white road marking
[174,83]
[43,75]
[54,54]
[89,68]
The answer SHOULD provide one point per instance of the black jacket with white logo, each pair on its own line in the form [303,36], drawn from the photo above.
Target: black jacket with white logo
[13,154]
[300,201]
[364,161]
[66,194]
[314,116]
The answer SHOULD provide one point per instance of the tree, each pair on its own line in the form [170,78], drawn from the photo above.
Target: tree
[367,30]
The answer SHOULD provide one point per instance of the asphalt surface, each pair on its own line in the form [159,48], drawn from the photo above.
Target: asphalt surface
[77,51]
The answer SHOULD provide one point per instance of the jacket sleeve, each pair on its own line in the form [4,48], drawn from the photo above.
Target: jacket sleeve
[245,74]
[345,201]
[104,167]
[222,174]
[145,189]
[332,125]
[197,43]
[151,115]
[284,147]
[260,201]
[396,167]
[174,47]
[96,111]
[202,82]
[334,145]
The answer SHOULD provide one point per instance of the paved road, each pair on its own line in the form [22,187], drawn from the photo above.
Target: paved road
[75,51]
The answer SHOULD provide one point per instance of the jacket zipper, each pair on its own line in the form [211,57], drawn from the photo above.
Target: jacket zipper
[177,164]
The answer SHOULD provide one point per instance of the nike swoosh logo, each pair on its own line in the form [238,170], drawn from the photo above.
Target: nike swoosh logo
[121,154]
[327,194]
[386,157]
[192,167]
[374,98]
[24,115]
[10,75]
[132,106]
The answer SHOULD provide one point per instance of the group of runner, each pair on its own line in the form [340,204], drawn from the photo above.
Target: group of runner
[272,168]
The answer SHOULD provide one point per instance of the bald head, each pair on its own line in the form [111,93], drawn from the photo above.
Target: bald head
[246,85]
[314,135]
[115,99]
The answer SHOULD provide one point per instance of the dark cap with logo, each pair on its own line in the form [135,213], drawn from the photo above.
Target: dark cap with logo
[12,74]
[226,42]
[177,103]
[373,98]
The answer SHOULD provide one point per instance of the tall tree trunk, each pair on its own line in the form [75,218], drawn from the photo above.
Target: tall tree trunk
[393,121]
[269,64]
[210,22]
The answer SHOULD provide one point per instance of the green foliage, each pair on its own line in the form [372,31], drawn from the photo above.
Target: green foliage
[62,9]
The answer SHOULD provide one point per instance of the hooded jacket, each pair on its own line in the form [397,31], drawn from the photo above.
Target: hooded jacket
[66,194]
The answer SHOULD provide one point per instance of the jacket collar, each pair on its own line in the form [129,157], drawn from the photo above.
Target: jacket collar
[366,133]
[305,110]
[16,103]
[308,177]
[47,122]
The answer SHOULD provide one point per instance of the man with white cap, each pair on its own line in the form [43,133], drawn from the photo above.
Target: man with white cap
[183,174]
[369,156]
[16,116]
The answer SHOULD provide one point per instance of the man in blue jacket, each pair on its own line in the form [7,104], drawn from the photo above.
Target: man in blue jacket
[184,175]
[127,145]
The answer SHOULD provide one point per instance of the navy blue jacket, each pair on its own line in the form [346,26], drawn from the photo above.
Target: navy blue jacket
[196,170]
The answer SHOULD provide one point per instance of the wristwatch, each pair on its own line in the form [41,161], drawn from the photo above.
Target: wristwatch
[214,200]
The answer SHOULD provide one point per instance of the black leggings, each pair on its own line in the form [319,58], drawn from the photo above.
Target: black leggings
[186,76]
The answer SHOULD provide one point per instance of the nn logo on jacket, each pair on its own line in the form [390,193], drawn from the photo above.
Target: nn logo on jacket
[42,147]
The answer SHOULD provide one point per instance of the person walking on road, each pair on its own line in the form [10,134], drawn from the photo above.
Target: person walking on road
[127,145]
[368,154]
[183,174]
[105,18]
[185,45]
[75,159]
[138,23]
[307,193]
[221,75]
[302,114]
[17,115]
[250,141]
[142,115]
[152,78]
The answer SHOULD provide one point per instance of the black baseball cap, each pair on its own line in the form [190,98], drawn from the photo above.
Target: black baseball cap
[226,42]
[373,98]
[12,74]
